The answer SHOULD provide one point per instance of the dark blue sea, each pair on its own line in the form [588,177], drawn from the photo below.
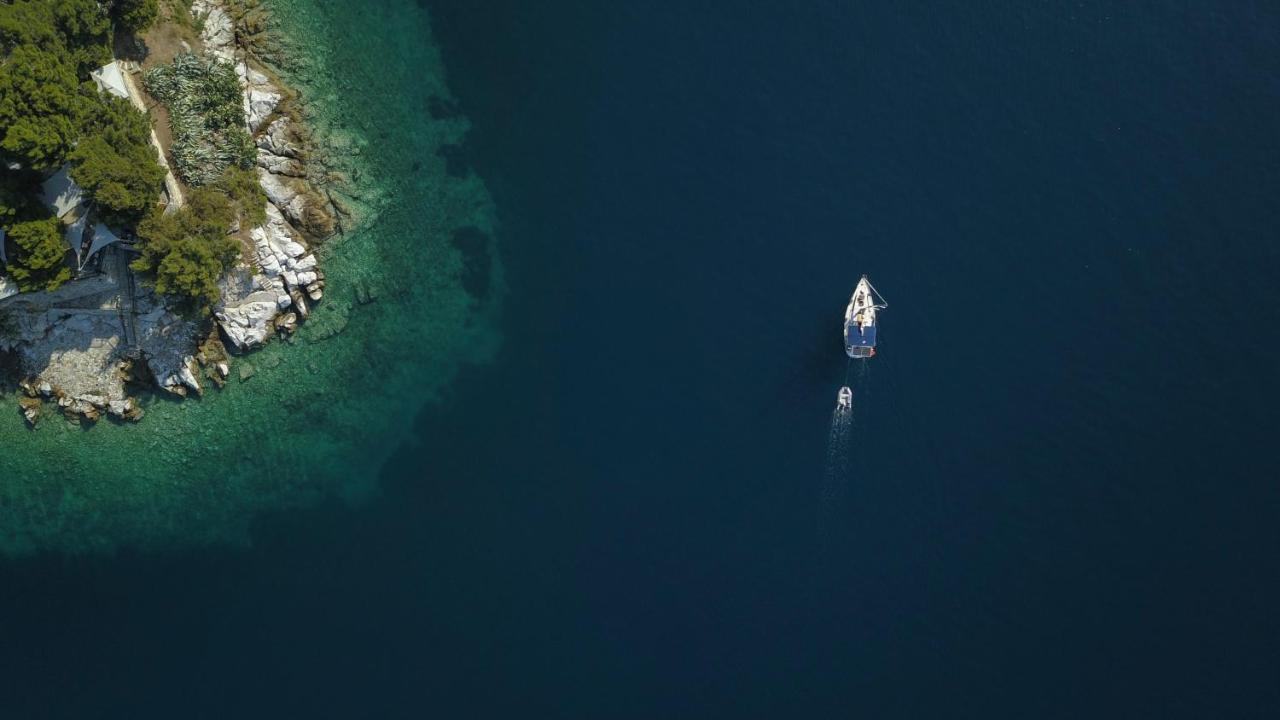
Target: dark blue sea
[1059,496]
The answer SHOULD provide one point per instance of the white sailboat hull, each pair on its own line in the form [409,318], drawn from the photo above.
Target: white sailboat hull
[860,321]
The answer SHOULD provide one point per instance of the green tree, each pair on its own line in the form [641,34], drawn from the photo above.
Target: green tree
[124,180]
[185,252]
[27,23]
[39,105]
[78,30]
[86,32]
[115,119]
[115,161]
[40,260]
[16,200]
[246,194]
[134,16]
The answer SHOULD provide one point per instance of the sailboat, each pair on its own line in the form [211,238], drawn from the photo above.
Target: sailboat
[860,320]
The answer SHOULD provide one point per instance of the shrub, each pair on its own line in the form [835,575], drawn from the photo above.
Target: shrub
[115,162]
[246,195]
[206,115]
[40,260]
[39,104]
[186,251]
[124,180]
[134,16]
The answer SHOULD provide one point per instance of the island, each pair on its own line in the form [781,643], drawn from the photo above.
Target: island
[161,204]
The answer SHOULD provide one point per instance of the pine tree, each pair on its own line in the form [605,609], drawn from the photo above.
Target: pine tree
[40,260]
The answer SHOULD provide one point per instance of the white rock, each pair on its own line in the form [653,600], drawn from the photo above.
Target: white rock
[300,304]
[248,322]
[188,377]
[276,140]
[280,165]
[269,263]
[260,102]
[283,195]
[281,257]
[217,32]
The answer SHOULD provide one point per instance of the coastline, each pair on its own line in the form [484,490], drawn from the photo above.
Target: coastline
[71,352]
[315,414]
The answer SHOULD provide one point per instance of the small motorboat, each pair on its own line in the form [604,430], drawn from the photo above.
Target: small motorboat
[845,397]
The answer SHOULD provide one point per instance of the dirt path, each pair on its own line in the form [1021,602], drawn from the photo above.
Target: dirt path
[171,184]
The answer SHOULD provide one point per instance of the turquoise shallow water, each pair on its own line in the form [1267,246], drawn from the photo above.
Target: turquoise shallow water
[321,412]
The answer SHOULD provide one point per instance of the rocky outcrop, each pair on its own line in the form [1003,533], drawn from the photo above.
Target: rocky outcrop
[280,253]
[261,97]
[249,305]
[294,196]
[78,346]
[285,194]
[248,321]
[279,140]
[286,270]
[218,32]
[166,342]
[274,294]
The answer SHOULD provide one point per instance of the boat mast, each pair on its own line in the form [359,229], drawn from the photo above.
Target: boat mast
[883,304]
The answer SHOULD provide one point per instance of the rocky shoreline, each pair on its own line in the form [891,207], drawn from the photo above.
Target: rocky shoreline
[81,348]
[276,294]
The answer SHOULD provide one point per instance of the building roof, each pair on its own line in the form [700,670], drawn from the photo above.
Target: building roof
[75,234]
[110,78]
[8,288]
[102,237]
[60,193]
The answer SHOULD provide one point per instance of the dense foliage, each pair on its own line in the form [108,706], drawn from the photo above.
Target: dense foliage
[79,31]
[134,16]
[116,164]
[16,202]
[40,262]
[51,114]
[186,251]
[206,115]
[39,107]
[246,195]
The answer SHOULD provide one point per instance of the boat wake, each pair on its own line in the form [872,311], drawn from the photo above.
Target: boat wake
[836,472]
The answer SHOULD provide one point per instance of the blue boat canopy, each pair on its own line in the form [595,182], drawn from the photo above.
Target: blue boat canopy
[862,338]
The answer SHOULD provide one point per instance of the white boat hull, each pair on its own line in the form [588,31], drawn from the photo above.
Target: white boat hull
[860,321]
